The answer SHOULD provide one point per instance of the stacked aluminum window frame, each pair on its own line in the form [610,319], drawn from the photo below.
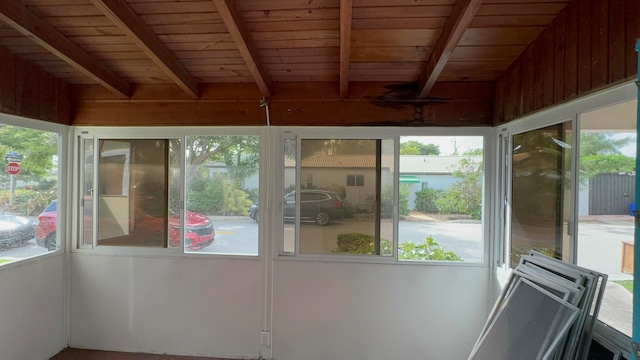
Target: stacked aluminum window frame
[563,312]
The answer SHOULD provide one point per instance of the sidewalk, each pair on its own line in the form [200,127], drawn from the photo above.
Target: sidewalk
[607,219]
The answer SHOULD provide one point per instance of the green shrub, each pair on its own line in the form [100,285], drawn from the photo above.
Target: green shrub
[428,250]
[426,199]
[205,195]
[217,196]
[26,202]
[357,243]
[386,201]
[465,195]
[235,201]
[46,184]
[252,194]
[348,209]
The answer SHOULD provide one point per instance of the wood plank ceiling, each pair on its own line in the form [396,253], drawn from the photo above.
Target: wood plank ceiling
[120,44]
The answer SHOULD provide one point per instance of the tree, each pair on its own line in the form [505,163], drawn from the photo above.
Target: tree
[477,151]
[593,165]
[38,149]
[239,153]
[416,148]
[600,153]
[597,143]
[465,195]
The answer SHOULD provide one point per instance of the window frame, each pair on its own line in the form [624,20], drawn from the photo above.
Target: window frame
[391,133]
[355,178]
[553,116]
[64,153]
[181,133]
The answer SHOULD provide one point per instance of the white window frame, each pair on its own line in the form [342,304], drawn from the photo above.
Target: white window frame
[355,180]
[130,133]
[392,133]
[544,118]
[64,152]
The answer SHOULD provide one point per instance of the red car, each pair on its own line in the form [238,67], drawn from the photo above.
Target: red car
[46,229]
[199,232]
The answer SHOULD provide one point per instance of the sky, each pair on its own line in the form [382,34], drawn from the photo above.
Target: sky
[447,144]
[465,143]
[629,150]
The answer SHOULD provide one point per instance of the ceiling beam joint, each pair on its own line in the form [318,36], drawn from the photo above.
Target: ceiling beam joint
[232,18]
[461,16]
[125,18]
[18,16]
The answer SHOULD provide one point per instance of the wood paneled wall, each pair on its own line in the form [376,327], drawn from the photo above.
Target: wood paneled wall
[26,90]
[293,104]
[589,46]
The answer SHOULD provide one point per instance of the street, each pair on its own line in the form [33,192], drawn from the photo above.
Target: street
[600,242]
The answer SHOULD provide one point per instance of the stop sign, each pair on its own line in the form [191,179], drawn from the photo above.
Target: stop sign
[13,168]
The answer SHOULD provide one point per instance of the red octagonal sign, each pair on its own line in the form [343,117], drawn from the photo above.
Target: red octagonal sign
[13,168]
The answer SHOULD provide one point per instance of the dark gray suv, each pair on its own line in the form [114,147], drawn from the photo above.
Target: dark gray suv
[320,206]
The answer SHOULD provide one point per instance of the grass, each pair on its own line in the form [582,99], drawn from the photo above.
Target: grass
[628,284]
[2,261]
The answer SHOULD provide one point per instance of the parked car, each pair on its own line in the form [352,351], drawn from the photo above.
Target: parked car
[199,231]
[15,230]
[253,212]
[320,206]
[46,229]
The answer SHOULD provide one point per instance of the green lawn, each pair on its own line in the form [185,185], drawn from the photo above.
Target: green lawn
[628,284]
[4,261]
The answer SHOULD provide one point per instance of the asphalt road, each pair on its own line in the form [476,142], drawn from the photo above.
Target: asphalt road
[600,243]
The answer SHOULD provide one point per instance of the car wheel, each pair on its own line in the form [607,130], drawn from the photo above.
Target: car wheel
[50,242]
[322,218]
[256,216]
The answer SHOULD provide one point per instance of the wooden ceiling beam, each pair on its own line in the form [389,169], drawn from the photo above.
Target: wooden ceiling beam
[126,19]
[238,30]
[18,16]
[293,104]
[346,15]
[458,22]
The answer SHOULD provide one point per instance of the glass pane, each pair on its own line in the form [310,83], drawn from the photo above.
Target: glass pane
[441,197]
[335,217]
[86,191]
[541,174]
[175,210]
[387,181]
[290,157]
[221,186]
[28,190]
[132,188]
[605,202]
